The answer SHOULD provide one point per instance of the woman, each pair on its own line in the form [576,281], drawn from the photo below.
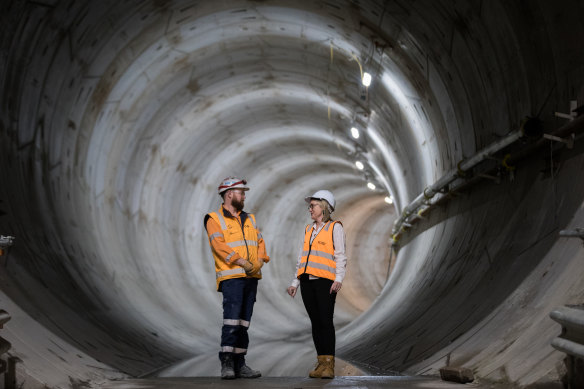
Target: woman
[319,272]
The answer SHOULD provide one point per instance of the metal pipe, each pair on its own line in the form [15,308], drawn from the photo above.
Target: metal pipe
[529,128]
[568,347]
[453,174]
[572,321]
[577,233]
[569,316]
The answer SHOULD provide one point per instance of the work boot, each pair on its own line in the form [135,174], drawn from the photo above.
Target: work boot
[242,370]
[317,371]
[227,369]
[329,366]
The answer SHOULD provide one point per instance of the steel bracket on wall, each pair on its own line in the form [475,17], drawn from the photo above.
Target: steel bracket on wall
[569,141]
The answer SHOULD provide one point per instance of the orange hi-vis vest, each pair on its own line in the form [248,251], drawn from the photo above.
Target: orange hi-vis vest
[242,239]
[318,257]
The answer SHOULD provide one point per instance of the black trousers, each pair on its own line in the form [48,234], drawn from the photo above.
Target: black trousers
[320,306]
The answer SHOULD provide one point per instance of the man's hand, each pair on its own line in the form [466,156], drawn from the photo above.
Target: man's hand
[245,264]
[256,267]
[292,291]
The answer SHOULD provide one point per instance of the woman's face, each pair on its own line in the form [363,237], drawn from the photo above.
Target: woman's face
[315,211]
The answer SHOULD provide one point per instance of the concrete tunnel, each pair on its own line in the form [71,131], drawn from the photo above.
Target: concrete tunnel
[120,118]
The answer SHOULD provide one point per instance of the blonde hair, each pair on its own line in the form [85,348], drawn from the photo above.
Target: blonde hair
[326,209]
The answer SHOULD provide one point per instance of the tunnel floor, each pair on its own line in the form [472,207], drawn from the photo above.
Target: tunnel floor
[371,382]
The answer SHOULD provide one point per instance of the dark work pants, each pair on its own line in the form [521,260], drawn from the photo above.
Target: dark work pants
[239,296]
[320,305]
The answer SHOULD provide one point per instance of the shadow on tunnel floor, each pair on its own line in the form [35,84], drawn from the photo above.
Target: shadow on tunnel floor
[370,382]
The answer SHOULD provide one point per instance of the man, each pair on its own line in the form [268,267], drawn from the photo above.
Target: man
[239,252]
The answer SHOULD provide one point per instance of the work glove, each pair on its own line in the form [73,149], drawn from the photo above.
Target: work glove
[256,267]
[248,267]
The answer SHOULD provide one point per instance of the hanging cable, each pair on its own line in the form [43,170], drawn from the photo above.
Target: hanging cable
[360,67]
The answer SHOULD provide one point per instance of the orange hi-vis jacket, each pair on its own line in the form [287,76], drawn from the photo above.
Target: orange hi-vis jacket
[233,240]
[318,257]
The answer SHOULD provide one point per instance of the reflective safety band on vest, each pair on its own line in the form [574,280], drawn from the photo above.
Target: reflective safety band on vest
[320,266]
[319,254]
[230,272]
[242,243]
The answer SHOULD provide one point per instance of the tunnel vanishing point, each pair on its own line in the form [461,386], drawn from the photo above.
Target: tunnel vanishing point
[119,119]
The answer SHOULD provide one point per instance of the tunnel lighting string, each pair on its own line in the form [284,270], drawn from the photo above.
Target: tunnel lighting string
[328,90]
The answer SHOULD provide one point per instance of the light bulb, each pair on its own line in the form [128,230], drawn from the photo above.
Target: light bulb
[366,79]
[389,199]
[355,132]
[371,185]
[359,165]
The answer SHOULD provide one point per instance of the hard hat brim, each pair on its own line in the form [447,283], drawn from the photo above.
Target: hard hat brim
[307,199]
[245,188]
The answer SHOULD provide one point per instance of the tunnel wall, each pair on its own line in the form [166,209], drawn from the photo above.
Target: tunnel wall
[104,193]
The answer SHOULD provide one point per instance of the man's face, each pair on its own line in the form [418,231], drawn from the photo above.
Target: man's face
[237,199]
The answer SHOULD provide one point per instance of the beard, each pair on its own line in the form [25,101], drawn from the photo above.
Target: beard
[238,205]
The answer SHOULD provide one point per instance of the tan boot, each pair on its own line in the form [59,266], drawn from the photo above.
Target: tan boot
[329,366]
[317,371]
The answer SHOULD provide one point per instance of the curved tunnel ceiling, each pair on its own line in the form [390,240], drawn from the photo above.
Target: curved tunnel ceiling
[120,119]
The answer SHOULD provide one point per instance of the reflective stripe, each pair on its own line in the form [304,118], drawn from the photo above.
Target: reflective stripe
[227,259]
[230,272]
[321,266]
[231,349]
[240,243]
[327,225]
[260,236]
[236,322]
[253,222]
[215,235]
[222,220]
[318,253]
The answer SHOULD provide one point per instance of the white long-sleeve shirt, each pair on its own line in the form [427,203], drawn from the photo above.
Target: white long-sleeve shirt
[339,257]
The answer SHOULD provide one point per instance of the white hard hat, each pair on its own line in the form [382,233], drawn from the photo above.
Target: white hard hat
[232,183]
[323,195]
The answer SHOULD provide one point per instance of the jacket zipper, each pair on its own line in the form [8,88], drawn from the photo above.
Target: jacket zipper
[244,240]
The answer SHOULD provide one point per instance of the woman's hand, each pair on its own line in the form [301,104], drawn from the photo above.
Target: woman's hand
[335,287]
[291,291]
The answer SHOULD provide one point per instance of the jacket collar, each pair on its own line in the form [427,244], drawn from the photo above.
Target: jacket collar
[226,213]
